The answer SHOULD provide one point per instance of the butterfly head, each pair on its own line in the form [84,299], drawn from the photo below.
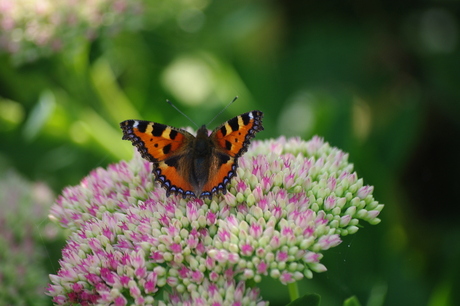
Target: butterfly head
[202,131]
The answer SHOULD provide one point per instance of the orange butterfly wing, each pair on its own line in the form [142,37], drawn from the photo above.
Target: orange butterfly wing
[164,146]
[231,140]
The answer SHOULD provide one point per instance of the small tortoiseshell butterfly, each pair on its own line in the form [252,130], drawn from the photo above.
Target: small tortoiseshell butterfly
[193,166]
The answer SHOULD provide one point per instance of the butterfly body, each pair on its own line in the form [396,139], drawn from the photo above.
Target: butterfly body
[193,166]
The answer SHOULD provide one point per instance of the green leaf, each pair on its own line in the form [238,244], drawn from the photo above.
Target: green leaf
[312,299]
[352,301]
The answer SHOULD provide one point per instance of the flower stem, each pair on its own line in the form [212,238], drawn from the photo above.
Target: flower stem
[293,291]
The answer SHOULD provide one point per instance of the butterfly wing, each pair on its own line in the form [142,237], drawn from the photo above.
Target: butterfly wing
[166,147]
[231,140]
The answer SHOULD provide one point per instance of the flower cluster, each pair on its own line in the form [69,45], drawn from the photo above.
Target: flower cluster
[23,205]
[291,201]
[32,28]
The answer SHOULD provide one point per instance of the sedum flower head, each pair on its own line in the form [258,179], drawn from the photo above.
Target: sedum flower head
[291,201]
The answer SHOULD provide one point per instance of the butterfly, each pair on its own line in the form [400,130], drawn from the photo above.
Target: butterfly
[193,166]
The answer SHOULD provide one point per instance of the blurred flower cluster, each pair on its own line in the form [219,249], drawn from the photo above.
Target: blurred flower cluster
[291,201]
[33,28]
[22,244]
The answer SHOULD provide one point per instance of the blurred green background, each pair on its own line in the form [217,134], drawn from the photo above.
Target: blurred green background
[378,79]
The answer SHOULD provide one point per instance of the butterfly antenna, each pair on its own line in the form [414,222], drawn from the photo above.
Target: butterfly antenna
[234,99]
[181,112]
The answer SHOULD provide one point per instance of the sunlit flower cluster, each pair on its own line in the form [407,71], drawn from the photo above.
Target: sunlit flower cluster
[33,28]
[291,201]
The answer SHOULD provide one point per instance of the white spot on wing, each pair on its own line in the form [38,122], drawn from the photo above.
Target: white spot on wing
[136,123]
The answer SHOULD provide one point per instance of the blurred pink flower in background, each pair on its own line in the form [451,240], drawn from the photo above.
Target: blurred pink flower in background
[30,29]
